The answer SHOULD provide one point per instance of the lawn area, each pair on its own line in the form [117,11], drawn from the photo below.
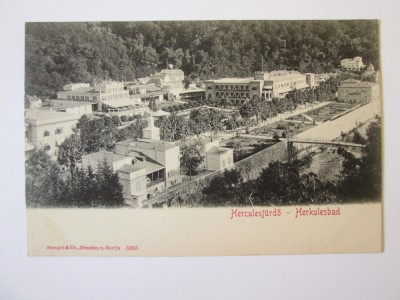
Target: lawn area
[244,146]
[169,103]
[328,112]
[281,127]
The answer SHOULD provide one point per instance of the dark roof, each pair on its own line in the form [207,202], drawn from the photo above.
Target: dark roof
[60,104]
[130,168]
[110,156]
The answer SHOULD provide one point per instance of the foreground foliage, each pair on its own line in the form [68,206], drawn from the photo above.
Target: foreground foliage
[45,186]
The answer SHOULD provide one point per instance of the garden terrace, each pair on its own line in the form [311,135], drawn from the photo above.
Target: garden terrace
[330,111]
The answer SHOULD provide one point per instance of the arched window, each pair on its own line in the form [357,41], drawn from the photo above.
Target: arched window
[46,133]
[59,131]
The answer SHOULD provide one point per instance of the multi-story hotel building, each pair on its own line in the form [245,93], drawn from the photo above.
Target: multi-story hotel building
[352,64]
[264,86]
[111,97]
[355,91]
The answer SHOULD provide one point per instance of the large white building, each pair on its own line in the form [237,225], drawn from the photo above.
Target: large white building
[355,91]
[352,64]
[110,97]
[263,86]
[47,129]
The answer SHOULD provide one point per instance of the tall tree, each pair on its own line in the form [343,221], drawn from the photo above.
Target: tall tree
[191,158]
[43,184]
[70,152]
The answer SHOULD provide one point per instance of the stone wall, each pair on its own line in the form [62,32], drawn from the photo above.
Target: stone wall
[249,168]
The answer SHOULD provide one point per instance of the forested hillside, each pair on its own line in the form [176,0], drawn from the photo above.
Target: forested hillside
[59,53]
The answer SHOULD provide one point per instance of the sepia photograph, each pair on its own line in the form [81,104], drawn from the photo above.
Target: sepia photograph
[250,120]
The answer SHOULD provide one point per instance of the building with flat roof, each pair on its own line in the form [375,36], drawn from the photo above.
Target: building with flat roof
[263,86]
[352,64]
[110,97]
[47,129]
[355,91]
[78,108]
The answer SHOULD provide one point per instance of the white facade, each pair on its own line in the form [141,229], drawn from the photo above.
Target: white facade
[355,91]
[165,153]
[352,64]
[215,156]
[151,132]
[219,158]
[264,86]
[48,129]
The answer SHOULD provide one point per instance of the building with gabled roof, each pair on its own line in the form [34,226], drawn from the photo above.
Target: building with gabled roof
[352,64]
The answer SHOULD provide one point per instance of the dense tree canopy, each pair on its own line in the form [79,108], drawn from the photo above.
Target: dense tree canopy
[362,177]
[45,187]
[59,53]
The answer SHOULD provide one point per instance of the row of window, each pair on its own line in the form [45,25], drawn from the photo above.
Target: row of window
[234,95]
[232,87]
[286,84]
[117,96]
[57,131]
[114,90]
[69,97]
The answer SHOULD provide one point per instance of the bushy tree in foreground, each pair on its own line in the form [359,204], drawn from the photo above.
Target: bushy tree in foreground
[43,185]
[191,158]
[45,188]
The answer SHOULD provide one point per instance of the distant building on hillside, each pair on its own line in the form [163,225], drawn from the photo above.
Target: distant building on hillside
[352,64]
[355,91]
[263,86]
[370,74]
[169,80]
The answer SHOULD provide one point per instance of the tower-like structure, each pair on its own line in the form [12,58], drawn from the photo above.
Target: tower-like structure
[151,132]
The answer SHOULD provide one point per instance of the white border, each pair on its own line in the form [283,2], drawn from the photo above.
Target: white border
[366,276]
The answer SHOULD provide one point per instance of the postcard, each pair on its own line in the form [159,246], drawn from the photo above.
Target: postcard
[203,138]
